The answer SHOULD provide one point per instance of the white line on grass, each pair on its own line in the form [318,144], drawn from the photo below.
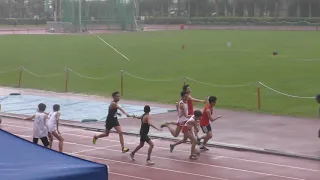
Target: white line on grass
[308,59]
[110,46]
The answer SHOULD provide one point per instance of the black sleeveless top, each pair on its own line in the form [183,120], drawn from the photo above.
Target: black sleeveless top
[144,130]
[112,114]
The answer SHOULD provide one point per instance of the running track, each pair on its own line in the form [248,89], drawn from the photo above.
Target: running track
[216,164]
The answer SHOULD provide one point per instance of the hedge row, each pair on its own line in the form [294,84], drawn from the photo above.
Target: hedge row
[18,21]
[233,21]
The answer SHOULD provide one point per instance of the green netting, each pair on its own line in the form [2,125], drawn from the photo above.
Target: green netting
[99,14]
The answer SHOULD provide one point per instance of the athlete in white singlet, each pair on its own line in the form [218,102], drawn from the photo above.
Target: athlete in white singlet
[40,129]
[53,127]
[188,133]
[183,116]
[182,113]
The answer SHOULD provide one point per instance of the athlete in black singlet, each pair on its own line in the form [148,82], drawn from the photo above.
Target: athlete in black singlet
[112,121]
[144,131]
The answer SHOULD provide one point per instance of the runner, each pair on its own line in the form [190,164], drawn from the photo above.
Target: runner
[112,121]
[207,116]
[144,130]
[40,129]
[190,104]
[182,115]
[187,134]
[53,127]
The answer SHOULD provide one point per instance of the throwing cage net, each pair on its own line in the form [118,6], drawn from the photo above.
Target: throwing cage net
[95,15]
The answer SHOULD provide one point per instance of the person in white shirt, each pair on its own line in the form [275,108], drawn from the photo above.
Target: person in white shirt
[182,109]
[188,134]
[40,130]
[53,127]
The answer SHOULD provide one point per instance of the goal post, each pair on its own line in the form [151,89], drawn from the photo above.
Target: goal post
[90,15]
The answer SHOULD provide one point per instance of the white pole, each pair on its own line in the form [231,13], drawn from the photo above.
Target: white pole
[80,12]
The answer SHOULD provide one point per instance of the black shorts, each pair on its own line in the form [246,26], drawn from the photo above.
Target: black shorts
[111,123]
[44,141]
[144,138]
[206,129]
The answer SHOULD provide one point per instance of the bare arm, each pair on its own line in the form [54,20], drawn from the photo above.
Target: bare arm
[115,105]
[210,116]
[29,118]
[150,123]
[184,111]
[45,121]
[196,126]
[196,100]
[57,119]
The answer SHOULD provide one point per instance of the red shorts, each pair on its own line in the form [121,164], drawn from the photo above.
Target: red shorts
[181,125]
[185,129]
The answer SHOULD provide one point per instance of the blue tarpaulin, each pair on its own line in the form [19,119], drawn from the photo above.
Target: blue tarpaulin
[23,160]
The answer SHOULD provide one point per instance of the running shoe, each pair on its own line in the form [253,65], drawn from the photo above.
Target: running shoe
[149,162]
[171,147]
[124,150]
[193,157]
[132,156]
[94,140]
[204,148]
[164,125]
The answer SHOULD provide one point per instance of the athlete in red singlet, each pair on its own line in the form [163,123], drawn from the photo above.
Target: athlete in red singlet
[190,104]
[207,116]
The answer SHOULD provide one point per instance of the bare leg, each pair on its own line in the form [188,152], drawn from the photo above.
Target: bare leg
[193,142]
[179,142]
[104,134]
[207,137]
[50,140]
[151,145]
[136,150]
[184,140]
[175,132]
[195,131]
[60,139]
[119,131]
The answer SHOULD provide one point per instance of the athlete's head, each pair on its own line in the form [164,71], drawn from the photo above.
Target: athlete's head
[184,95]
[212,101]
[41,107]
[116,96]
[197,115]
[318,98]
[146,109]
[186,88]
[56,107]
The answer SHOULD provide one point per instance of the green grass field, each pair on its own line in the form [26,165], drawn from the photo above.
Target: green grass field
[158,55]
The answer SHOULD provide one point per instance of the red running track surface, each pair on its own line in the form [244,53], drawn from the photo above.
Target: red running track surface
[217,164]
